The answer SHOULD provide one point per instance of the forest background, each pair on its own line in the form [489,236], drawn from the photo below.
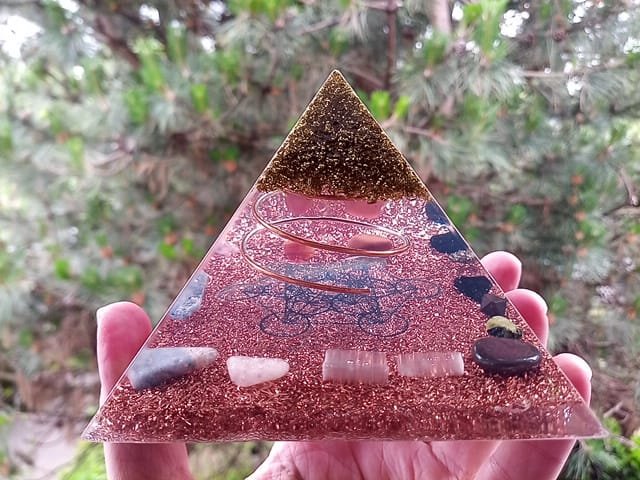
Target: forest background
[130,131]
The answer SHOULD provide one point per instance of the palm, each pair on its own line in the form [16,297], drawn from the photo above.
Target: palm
[407,459]
[123,328]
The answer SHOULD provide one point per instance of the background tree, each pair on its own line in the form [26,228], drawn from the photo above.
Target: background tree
[130,130]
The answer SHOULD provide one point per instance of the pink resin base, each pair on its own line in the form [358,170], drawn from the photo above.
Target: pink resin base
[263,300]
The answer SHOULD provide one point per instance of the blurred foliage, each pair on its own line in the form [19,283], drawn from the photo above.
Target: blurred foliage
[612,458]
[129,132]
[88,464]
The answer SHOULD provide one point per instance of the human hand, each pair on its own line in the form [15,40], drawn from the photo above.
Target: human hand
[123,328]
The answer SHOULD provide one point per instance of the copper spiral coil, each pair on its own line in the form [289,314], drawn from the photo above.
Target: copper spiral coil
[273,226]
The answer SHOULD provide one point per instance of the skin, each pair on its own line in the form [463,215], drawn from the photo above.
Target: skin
[123,327]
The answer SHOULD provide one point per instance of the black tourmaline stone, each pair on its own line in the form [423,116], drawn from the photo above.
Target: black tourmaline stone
[473,287]
[505,356]
[492,305]
[449,242]
[435,213]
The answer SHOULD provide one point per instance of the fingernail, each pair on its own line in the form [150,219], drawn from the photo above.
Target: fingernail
[585,366]
[100,312]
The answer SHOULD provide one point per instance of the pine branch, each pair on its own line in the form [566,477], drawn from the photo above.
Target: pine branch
[440,16]
[375,82]
[316,27]
[423,133]
[134,19]
[116,43]
[392,19]
[613,64]
[20,3]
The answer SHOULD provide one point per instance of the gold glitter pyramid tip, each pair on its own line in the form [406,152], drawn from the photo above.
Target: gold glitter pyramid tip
[338,149]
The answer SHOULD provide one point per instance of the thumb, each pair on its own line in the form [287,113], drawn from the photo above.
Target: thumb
[122,329]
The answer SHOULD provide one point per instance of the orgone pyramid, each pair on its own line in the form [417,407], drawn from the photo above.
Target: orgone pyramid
[340,302]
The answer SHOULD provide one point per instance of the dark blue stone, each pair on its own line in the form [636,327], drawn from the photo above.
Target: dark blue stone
[449,242]
[473,287]
[190,299]
[155,366]
[493,305]
[435,213]
[505,356]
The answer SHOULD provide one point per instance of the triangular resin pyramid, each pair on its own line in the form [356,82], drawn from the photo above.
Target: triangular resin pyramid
[340,302]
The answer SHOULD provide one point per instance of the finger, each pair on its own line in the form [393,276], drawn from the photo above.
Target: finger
[466,457]
[504,267]
[578,372]
[538,459]
[533,309]
[122,329]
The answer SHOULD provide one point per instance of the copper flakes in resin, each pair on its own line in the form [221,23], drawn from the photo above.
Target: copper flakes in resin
[308,265]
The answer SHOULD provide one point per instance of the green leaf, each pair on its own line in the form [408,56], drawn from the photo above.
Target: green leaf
[91,279]
[228,63]
[401,109]
[56,14]
[487,26]
[94,75]
[25,338]
[150,52]
[137,104]
[55,119]
[62,268]
[459,209]
[128,278]
[88,464]
[224,153]
[478,113]
[168,251]
[632,59]
[151,75]
[296,71]
[558,305]
[5,418]
[270,8]
[166,224]
[517,214]
[471,12]
[338,42]
[75,146]
[618,132]
[380,104]
[594,231]
[471,233]
[177,43]
[98,209]
[6,138]
[200,97]
[546,10]
[435,49]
